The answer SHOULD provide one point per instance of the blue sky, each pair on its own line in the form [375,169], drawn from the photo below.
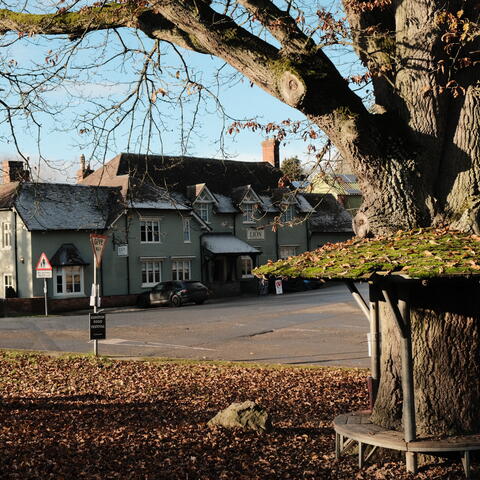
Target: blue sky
[62,143]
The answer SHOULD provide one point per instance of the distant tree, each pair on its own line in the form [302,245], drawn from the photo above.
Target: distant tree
[292,168]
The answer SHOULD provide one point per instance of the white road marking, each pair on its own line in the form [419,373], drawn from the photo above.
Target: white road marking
[298,330]
[133,343]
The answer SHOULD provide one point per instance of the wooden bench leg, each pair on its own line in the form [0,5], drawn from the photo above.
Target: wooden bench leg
[466,463]
[411,461]
[337,446]
[361,450]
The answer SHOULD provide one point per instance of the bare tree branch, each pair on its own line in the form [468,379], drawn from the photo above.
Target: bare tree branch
[280,24]
[69,23]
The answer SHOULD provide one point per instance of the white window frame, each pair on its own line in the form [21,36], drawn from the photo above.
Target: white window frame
[203,210]
[64,272]
[7,282]
[286,251]
[249,209]
[147,230]
[202,204]
[6,235]
[151,272]
[246,264]
[181,273]
[187,238]
[288,213]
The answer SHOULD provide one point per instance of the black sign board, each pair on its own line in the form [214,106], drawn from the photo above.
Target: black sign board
[98,326]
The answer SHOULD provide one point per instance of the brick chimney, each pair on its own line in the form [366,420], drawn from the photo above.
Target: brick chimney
[84,172]
[14,171]
[271,151]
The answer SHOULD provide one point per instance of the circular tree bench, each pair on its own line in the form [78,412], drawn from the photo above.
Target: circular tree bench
[357,427]
[418,271]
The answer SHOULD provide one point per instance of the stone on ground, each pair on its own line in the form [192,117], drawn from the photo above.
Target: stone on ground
[247,415]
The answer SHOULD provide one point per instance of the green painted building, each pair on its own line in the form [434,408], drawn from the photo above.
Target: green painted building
[166,218]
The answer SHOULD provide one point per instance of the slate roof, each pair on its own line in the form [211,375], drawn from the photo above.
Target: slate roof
[329,215]
[54,206]
[141,178]
[225,204]
[151,196]
[176,173]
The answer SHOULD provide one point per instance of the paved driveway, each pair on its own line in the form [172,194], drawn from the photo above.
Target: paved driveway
[320,327]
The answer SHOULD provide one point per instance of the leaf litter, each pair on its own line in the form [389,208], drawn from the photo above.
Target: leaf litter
[95,418]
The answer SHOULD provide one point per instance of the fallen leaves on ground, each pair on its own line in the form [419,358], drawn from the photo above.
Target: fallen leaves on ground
[93,418]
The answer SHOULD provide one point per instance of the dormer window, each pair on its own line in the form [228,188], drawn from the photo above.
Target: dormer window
[249,206]
[249,212]
[288,214]
[202,204]
[204,211]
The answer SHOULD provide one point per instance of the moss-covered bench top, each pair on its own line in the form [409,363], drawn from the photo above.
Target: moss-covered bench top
[421,253]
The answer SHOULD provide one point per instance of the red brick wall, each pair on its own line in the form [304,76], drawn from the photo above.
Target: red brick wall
[36,305]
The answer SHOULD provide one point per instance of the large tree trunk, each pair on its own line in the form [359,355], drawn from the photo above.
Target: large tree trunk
[431,124]
[445,329]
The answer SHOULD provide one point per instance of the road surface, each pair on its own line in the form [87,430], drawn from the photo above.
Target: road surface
[320,327]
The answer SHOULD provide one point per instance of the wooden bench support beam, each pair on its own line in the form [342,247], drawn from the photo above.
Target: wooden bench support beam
[466,464]
[359,299]
[370,453]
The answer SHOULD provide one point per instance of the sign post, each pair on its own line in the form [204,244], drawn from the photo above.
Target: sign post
[98,243]
[44,270]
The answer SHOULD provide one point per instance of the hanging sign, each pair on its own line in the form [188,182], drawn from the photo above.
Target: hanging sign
[98,243]
[43,268]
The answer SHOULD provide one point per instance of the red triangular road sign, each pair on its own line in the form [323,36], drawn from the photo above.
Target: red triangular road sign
[98,246]
[43,263]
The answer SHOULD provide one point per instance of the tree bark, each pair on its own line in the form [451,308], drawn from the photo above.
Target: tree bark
[445,329]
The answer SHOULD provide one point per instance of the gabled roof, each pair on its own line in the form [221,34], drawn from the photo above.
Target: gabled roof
[54,206]
[66,256]
[176,173]
[200,192]
[329,214]
[240,194]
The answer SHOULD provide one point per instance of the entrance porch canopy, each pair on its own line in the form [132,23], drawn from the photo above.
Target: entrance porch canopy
[227,244]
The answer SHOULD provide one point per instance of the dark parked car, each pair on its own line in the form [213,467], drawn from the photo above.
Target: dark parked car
[174,293]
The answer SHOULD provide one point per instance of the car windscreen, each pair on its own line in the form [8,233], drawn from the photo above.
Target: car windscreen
[194,285]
